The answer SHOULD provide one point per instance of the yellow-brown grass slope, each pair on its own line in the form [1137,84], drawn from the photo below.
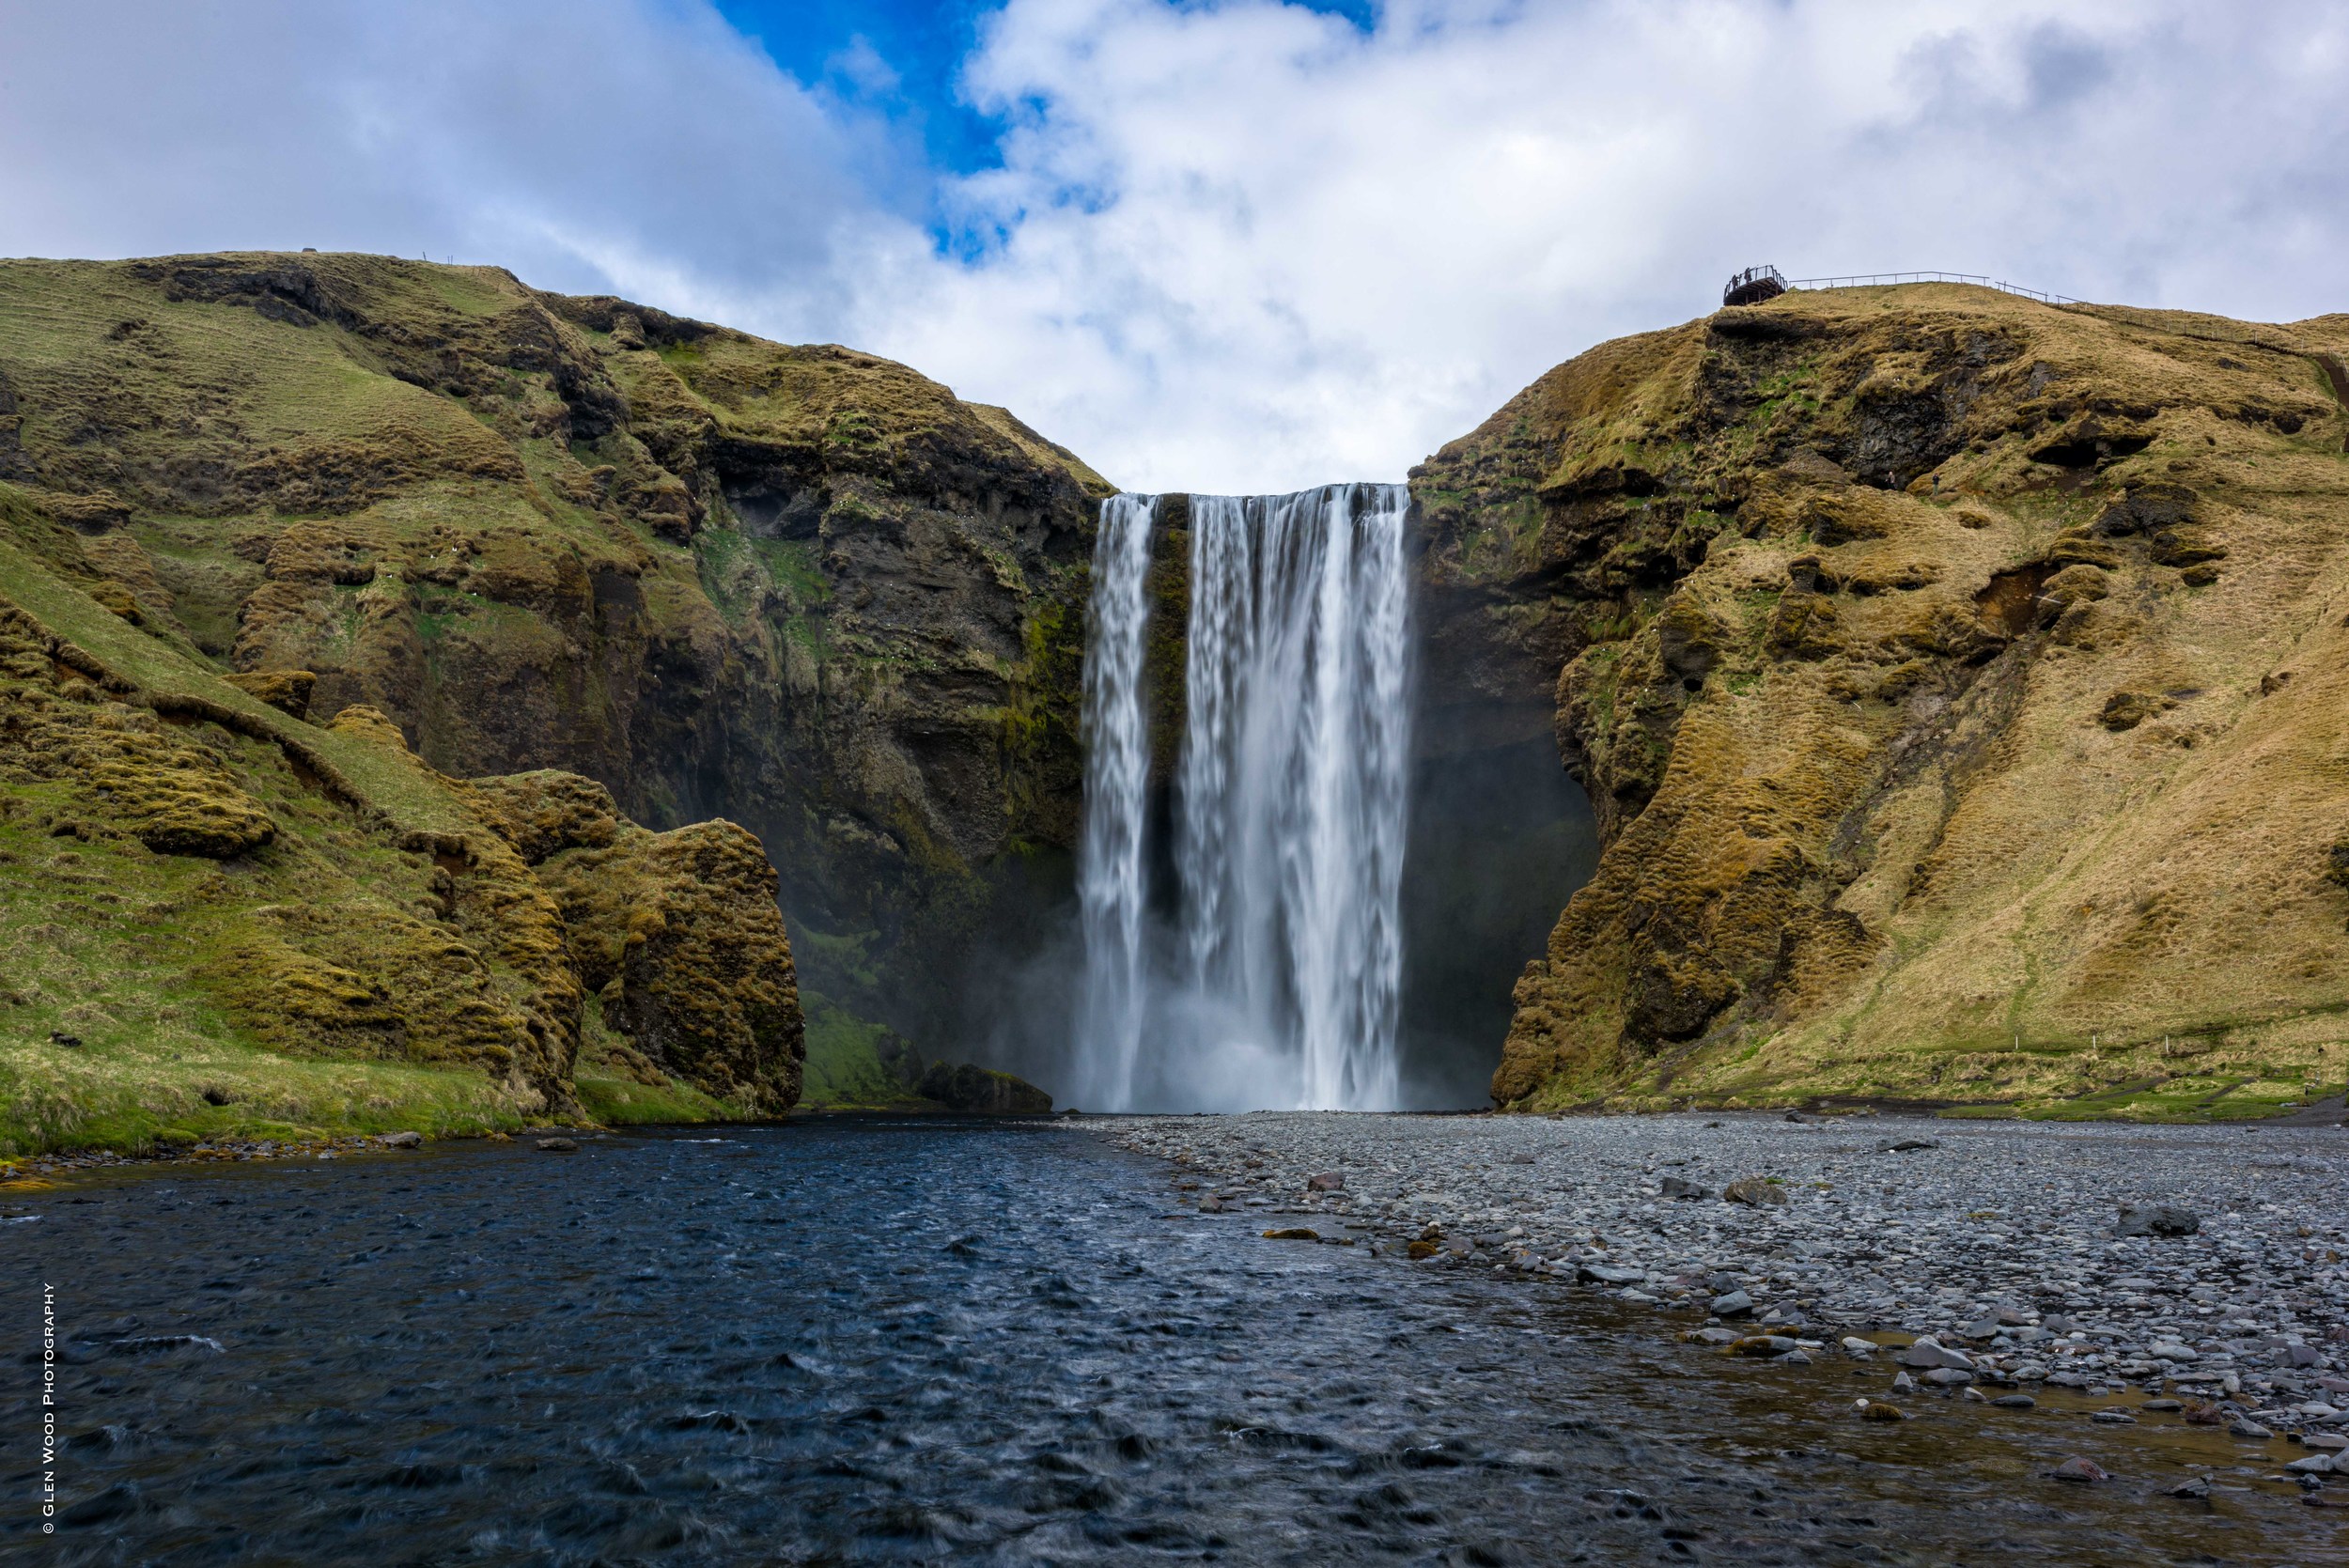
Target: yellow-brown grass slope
[1961,685]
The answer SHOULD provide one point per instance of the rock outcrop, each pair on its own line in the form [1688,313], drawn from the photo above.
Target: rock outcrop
[1962,688]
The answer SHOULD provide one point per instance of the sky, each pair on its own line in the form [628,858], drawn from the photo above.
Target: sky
[1236,245]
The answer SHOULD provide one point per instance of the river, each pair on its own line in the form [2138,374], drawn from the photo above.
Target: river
[869,1341]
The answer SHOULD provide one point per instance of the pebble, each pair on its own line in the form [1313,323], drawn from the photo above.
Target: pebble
[2076,1468]
[558,1145]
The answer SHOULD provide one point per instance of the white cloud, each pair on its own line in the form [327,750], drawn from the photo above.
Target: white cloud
[1248,247]
[1235,246]
[581,144]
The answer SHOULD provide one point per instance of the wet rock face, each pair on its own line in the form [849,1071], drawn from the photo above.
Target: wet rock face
[1857,614]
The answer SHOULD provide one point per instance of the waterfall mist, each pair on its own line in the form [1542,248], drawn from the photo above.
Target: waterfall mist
[1253,957]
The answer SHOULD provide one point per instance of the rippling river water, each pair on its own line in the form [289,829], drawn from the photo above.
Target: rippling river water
[860,1341]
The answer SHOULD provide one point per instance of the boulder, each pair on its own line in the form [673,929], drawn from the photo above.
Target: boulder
[2156,1219]
[1755,1191]
[983,1092]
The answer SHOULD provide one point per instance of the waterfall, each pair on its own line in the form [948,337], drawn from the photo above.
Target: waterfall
[1279,982]
[1116,738]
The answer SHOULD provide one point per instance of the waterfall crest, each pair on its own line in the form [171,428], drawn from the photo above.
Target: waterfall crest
[1277,981]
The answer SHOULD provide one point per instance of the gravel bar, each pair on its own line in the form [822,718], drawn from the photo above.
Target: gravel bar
[1968,1253]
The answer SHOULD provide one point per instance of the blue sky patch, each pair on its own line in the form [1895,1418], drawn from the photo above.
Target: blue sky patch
[904,59]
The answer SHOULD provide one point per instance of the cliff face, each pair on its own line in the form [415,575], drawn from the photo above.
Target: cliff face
[801,587]
[1962,688]
[220,918]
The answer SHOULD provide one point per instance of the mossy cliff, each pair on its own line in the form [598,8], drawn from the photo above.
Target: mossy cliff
[802,588]
[218,918]
[1962,686]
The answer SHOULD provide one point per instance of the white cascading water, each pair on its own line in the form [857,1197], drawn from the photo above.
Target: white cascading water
[1281,983]
[1116,738]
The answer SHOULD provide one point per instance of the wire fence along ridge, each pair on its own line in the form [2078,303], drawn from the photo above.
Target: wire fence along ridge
[1870,278]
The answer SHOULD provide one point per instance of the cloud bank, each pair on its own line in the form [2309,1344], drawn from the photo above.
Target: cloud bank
[1232,246]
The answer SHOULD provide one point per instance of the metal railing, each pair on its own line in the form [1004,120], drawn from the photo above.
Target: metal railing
[1752,275]
[1872,278]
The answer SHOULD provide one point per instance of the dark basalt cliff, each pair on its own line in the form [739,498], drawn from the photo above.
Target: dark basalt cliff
[1961,687]
[802,588]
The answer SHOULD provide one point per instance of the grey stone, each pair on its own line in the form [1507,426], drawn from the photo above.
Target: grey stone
[1736,1304]
[1756,1192]
[1929,1352]
[2156,1219]
[401,1140]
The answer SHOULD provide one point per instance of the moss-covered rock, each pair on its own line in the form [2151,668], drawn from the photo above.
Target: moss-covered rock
[1958,681]
[680,935]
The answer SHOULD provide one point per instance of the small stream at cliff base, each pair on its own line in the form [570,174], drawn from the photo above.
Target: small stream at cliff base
[865,1341]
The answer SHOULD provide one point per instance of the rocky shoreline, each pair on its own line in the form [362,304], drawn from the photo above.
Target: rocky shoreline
[2190,1274]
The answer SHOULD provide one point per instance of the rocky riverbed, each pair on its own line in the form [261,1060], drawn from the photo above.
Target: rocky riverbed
[2198,1270]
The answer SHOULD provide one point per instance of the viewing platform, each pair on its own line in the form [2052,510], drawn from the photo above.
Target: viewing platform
[1757,283]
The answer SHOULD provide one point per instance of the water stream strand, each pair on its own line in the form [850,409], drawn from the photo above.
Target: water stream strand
[1116,738]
